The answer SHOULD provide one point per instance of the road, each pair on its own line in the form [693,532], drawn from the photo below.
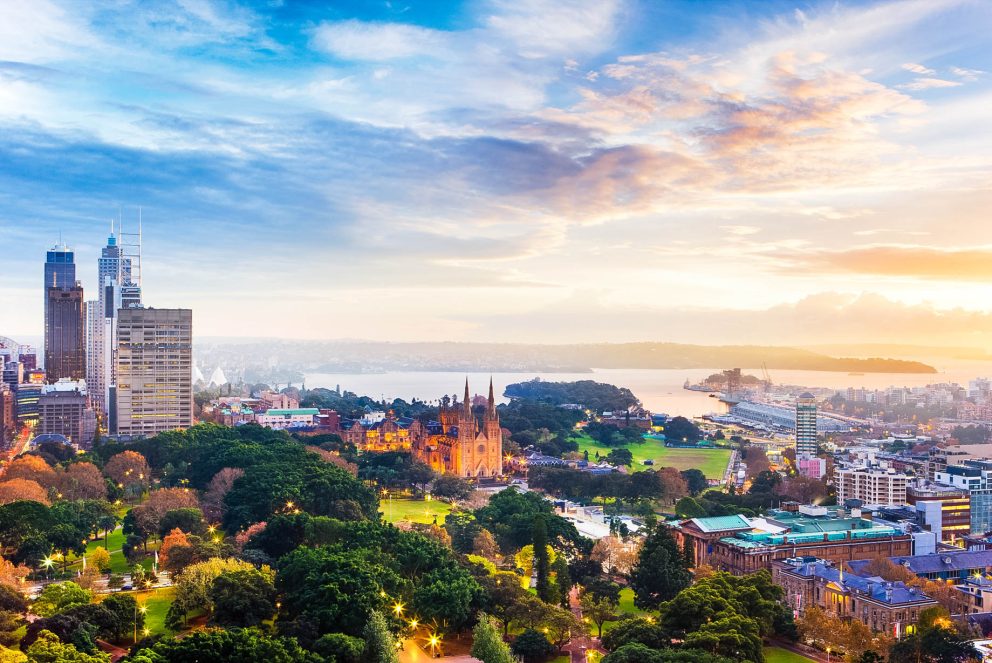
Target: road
[19,447]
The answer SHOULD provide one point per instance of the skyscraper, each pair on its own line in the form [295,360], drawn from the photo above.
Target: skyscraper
[65,334]
[116,289]
[806,426]
[154,390]
[60,273]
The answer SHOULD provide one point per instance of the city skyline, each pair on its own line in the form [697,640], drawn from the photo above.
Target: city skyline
[549,172]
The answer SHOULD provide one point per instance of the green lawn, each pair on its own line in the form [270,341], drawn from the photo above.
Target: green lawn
[776,655]
[114,542]
[413,511]
[625,607]
[157,601]
[712,462]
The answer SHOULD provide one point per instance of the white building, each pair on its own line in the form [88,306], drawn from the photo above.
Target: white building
[881,486]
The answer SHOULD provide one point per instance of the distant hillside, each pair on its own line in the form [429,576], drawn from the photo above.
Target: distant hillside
[369,356]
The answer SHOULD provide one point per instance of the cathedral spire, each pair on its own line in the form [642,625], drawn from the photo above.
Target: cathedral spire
[491,409]
[468,400]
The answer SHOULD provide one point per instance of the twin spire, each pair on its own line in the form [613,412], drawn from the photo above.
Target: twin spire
[490,405]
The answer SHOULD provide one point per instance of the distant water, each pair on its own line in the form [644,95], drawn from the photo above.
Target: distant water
[659,389]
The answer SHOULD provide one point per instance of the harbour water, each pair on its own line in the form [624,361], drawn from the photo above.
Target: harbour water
[659,389]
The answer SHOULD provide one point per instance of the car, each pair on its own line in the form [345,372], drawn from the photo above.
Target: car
[127,588]
[648,462]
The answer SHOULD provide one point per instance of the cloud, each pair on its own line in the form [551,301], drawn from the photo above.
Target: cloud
[928,84]
[918,69]
[966,74]
[904,261]
[375,42]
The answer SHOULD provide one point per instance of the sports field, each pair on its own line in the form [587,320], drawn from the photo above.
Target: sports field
[413,511]
[712,462]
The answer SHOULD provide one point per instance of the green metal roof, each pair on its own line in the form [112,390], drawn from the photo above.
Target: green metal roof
[312,411]
[719,523]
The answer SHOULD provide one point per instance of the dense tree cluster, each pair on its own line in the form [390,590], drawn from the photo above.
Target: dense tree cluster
[721,617]
[664,484]
[595,396]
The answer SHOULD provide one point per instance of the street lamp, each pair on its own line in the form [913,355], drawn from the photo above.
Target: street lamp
[828,654]
[398,609]
[434,642]
[143,609]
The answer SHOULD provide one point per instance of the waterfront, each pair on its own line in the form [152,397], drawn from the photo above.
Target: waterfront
[659,389]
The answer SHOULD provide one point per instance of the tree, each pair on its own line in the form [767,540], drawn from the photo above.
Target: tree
[217,489]
[607,551]
[11,656]
[130,471]
[532,646]
[379,644]
[620,456]
[22,489]
[451,487]
[150,515]
[735,636]
[31,468]
[563,582]
[559,625]
[187,519]
[99,559]
[934,644]
[689,507]
[680,429]
[660,571]
[487,643]
[446,595]
[336,590]
[49,649]
[193,586]
[223,646]
[695,481]
[542,565]
[81,481]
[170,543]
[340,648]
[599,611]
[59,597]
[127,619]
[242,598]
[484,545]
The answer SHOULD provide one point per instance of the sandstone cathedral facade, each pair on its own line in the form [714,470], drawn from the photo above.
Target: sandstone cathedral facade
[458,443]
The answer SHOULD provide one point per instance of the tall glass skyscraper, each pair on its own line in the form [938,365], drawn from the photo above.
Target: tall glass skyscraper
[116,290]
[64,330]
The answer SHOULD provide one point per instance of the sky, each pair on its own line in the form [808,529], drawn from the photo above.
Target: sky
[511,170]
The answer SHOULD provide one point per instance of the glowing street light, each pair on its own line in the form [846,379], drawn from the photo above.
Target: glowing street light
[413,623]
[398,609]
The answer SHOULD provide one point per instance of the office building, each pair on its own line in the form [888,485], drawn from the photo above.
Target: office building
[60,273]
[944,510]
[8,415]
[877,486]
[116,289]
[65,334]
[806,446]
[63,409]
[28,396]
[975,476]
[154,391]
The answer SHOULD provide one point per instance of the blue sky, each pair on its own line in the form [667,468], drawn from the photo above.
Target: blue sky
[511,170]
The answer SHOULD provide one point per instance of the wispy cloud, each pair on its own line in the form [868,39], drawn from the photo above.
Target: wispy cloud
[918,69]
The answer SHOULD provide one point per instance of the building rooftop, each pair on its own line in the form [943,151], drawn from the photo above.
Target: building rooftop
[939,562]
[298,412]
[890,593]
[721,523]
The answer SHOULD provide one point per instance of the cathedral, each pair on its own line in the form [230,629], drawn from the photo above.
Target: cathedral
[459,444]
